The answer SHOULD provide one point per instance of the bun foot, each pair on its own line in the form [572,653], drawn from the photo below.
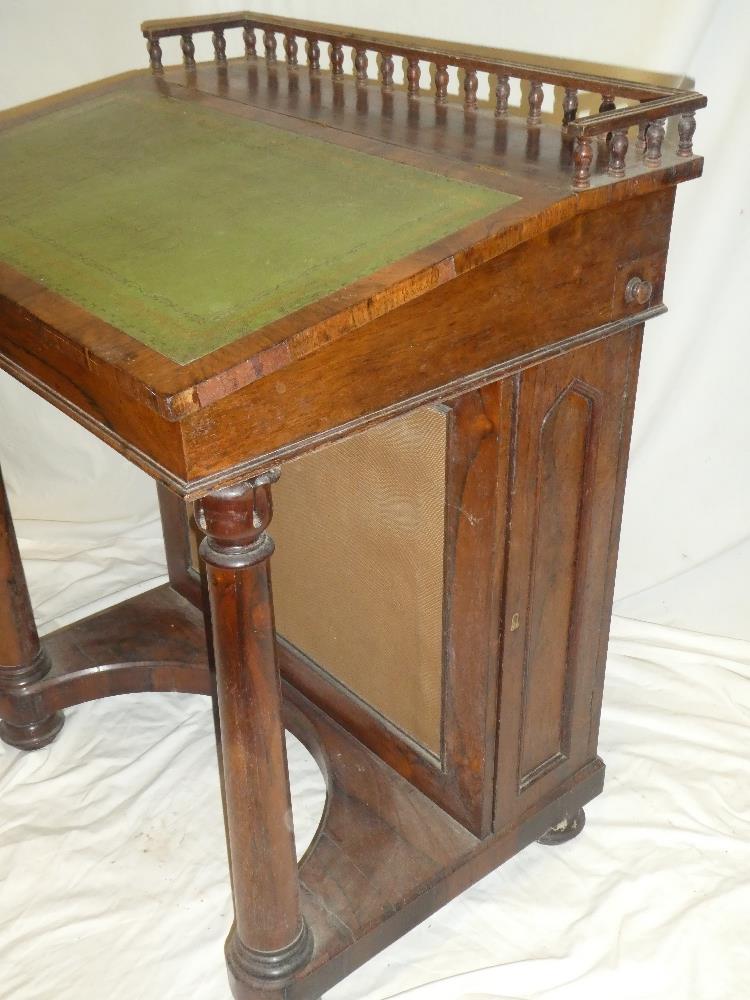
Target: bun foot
[32,735]
[568,828]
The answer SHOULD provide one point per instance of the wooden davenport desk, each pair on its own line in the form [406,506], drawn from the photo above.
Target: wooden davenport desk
[415,320]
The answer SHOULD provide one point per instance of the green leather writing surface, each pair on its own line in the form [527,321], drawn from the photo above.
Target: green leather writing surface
[188,228]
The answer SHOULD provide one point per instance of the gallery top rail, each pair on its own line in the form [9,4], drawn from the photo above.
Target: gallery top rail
[651,104]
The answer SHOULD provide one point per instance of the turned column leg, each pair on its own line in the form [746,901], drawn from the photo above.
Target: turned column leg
[269,939]
[23,720]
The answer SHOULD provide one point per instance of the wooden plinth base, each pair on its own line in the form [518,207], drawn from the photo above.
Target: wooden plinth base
[385,856]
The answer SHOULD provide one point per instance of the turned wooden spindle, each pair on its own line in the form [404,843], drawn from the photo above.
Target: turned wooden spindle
[536,97]
[686,131]
[570,105]
[269,939]
[441,83]
[269,44]
[502,96]
[360,64]
[23,721]
[220,46]
[251,44]
[607,104]
[471,84]
[188,50]
[154,54]
[337,59]
[640,142]
[291,49]
[654,139]
[413,73]
[312,48]
[617,152]
[583,157]
[386,70]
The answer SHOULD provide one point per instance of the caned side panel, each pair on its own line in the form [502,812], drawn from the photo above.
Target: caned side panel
[358,567]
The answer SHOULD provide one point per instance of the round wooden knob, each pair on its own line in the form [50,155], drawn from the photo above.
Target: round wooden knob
[639,290]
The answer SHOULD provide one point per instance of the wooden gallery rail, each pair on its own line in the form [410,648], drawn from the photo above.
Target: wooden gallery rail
[649,107]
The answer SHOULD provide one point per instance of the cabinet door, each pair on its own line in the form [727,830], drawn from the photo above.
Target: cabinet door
[573,417]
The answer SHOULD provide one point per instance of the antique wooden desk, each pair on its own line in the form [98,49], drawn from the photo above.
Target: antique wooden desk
[416,319]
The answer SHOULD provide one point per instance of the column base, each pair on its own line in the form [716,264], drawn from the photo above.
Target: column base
[32,735]
[31,728]
[253,973]
[570,827]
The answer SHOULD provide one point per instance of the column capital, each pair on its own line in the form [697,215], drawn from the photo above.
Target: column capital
[234,521]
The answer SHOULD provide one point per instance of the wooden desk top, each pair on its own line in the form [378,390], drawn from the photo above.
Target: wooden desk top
[177,246]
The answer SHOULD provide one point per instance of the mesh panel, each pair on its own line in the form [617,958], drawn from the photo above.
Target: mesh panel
[358,568]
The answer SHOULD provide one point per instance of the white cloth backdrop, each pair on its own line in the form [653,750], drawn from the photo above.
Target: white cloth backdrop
[112,867]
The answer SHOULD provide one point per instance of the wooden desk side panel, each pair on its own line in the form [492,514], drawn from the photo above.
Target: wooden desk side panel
[458,772]
[534,484]
[502,314]
[572,435]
